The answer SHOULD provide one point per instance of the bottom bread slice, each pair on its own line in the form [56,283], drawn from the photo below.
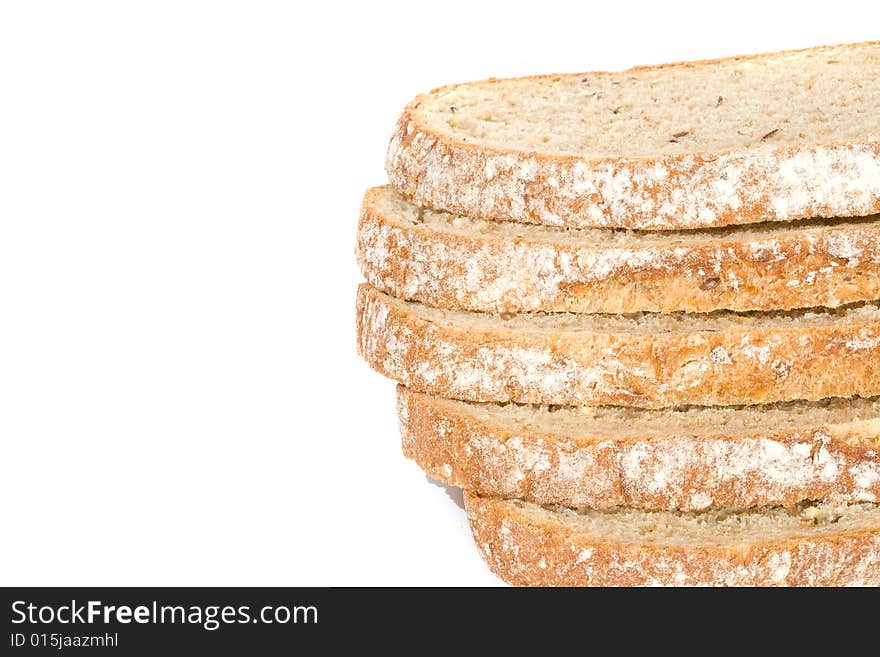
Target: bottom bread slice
[806,545]
[686,459]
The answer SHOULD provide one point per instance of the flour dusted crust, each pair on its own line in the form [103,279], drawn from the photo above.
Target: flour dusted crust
[460,263]
[529,548]
[677,470]
[477,357]
[666,192]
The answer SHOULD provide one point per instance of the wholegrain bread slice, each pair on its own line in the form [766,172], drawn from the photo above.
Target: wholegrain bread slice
[644,360]
[449,261]
[807,545]
[771,137]
[685,459]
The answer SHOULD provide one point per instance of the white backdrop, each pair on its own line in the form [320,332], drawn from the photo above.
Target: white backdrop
[180,398]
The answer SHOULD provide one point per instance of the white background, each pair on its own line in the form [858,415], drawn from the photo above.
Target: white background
[180,398]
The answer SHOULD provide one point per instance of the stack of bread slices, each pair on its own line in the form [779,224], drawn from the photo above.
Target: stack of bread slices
[634,316]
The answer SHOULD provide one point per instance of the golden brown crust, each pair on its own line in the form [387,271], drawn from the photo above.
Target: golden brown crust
[527,553]
[676,471]
[822,265]
[737,365]
[662,193]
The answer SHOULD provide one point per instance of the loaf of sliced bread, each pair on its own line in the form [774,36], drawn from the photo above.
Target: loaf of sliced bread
[644,360]
[448,261]
[771,137]
[685,459]
[806,545]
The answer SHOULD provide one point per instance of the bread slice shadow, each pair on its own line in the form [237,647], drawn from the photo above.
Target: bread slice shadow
[452,492]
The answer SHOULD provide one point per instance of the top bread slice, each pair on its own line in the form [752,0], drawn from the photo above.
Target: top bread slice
[772,137]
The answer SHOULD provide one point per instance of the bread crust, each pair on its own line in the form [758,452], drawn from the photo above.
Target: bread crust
[667,192]
[737,365]
[675,471]
[523,552]
[804,267]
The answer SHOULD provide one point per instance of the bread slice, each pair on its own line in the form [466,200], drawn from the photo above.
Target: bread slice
[454,262]
[646,360]
[740,140]
[808,545]
[674,459]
